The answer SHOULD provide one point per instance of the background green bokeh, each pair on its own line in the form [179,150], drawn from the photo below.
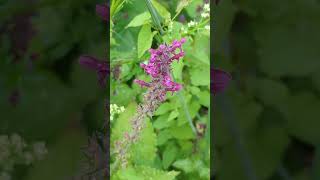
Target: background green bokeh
[266,124]
[60,102]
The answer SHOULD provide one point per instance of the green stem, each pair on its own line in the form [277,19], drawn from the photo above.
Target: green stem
[155,16]
[185,108]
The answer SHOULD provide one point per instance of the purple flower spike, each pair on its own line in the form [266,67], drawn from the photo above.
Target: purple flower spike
[142,83]
[101,67]
[220,80]
[159,69]
[102,11]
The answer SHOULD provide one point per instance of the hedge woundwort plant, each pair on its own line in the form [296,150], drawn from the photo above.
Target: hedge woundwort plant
[159,69]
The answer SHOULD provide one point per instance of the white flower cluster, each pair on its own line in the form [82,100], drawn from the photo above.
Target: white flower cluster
[192,24]
[14,150]
[205,14]
[114,109]
[206,11]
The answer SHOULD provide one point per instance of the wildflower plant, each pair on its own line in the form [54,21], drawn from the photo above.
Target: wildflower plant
[164,131]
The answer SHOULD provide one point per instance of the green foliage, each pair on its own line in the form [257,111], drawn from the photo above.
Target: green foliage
[269,47]
[168,136]
[59,102]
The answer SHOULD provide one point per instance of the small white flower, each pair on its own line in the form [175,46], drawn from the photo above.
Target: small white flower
[206,7]
[207,27]
[122,109]
[191,23]
[205,15]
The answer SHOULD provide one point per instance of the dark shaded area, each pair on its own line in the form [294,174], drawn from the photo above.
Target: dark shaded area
[265,124]
[45,94]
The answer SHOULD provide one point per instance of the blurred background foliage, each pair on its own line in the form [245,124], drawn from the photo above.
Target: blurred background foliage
[266,124]
[44,94]
[168,144]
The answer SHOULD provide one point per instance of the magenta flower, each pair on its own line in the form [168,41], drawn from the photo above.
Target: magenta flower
[158,66]
[220,80]
[102,11]
[101,67]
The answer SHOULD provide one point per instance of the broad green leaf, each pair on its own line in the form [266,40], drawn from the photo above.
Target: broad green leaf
[144,39]
[266,148]
[302,117]
[144,173]
[184,164]
[164,108]
[163,137]
[204,98]
[62,159]
[200,77]
[194,90]
[174,114]
[295,53]
[139,20]
[169,155]
[177,68]
[271,92]
[144,150]
[182,132]
[161,10]
[192,8]
[162,122]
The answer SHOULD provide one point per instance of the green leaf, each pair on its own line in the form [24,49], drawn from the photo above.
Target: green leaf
[271,92]
[182,4]
[144,39]
[302,117]
[174,114]
[192,8]
[177,68]
[162,122]
[163,137]
[144,150]
[139,20]
[161,10]
[266,148]
[200,77]
[164,108]
[62,159]
[182,132]
[144,173]
[169,155]
[294,54]
[204,98]
[185,164]
[194,90]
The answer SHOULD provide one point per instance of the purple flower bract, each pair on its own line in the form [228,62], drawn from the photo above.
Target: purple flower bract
[101,67]
[102,11]
[220,80]
[159,63]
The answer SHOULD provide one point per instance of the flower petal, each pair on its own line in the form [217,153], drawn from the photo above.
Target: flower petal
[102,11]
[220,80]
